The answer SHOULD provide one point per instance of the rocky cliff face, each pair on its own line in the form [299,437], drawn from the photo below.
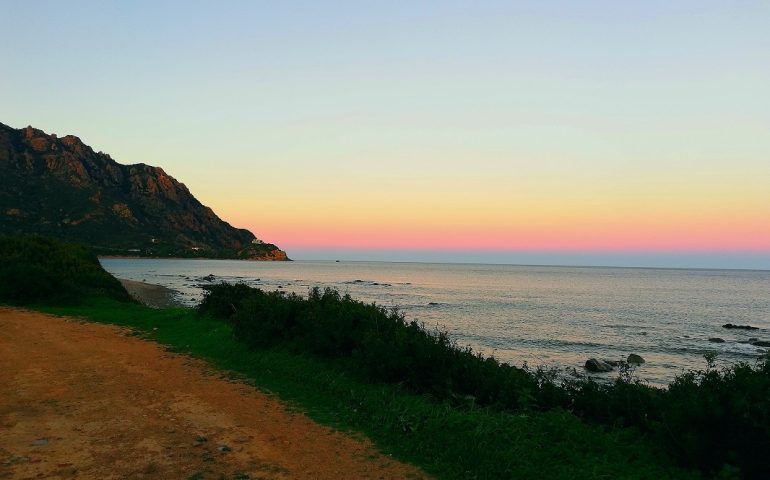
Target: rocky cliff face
[60,187]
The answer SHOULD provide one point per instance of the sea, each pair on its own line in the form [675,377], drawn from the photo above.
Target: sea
[541,316]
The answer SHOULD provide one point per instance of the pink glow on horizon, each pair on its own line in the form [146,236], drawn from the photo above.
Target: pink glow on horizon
[690,238]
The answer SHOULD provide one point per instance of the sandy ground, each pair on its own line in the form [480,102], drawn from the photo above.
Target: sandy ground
[84,400]
[155,296]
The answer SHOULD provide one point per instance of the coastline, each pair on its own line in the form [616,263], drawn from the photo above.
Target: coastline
[152,295]
[145,257]
[429,293]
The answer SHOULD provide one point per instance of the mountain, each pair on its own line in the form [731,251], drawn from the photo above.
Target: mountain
[60,187]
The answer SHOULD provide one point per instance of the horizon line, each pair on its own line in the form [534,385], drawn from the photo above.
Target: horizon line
[720,260]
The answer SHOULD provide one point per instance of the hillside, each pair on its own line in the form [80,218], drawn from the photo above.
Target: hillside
[61,188]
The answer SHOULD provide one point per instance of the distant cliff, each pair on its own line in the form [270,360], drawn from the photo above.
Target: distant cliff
[61,188]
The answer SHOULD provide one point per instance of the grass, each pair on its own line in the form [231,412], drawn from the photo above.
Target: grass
[446,441]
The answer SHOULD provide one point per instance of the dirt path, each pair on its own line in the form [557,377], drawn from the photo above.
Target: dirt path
[84,400]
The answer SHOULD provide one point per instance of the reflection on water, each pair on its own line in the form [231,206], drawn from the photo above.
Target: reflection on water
[557,316]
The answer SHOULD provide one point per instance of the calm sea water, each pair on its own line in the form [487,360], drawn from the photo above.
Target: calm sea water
[553,316]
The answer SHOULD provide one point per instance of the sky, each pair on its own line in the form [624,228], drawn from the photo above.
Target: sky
[592,132]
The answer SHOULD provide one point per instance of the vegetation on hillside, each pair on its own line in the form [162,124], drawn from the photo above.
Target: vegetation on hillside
[36,269]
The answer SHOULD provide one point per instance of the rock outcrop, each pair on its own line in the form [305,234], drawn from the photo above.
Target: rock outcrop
[60,187]
[598,366]
[635,359]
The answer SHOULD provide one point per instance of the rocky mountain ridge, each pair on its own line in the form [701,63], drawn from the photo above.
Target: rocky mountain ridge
[62,188]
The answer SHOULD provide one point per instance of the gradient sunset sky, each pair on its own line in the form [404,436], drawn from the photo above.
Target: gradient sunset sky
[598,130]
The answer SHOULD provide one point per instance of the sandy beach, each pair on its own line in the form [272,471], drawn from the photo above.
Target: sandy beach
[155,296]
[86,400]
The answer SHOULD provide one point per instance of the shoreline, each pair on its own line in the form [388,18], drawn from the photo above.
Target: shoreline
[144,257]
[151,295]
[137,257]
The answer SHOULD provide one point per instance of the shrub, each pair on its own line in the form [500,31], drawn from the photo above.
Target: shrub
[718,417]
[36,269]
[222,300]
[717,420]
[379,344]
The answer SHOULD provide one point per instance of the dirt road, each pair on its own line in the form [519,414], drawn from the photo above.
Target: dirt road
[83,400]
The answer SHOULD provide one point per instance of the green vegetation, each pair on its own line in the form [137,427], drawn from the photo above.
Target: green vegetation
[380,345]
[713,420]
[717,420]
[41,270]
[415,393]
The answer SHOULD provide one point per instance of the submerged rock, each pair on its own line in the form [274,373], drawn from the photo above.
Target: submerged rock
[717,340]
[634,358]
[739,327]
[596,365]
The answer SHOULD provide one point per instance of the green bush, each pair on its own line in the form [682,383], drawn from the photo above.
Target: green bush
[715,417]
[223,300]
[715,420]
[36,269]
[379,344]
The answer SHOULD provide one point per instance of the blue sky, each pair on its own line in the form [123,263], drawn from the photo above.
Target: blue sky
[393,127]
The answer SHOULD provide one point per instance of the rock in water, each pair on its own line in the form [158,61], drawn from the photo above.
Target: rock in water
[634,358]
[716,340]
[596,365]
[761,343]
[739,327]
